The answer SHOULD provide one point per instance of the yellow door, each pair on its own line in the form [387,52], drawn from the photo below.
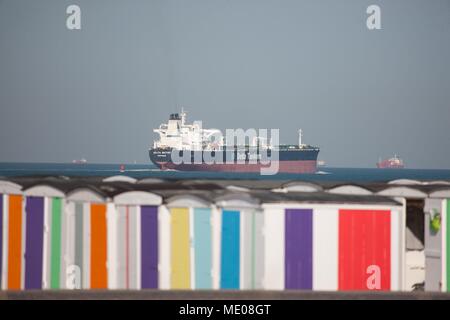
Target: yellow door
[180,275]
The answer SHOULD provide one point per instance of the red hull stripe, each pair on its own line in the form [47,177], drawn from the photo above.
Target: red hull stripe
[303,166]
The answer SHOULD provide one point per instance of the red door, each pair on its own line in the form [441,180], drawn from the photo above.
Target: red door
[364,250]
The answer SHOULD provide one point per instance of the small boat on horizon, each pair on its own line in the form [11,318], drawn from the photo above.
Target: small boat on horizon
[321,163]
[391,163]
[79,161]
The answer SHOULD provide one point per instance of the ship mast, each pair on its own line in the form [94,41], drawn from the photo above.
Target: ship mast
[183,116]
[300,136]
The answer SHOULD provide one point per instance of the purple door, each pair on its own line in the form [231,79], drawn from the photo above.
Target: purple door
[149,247]
[34,242]
[298,241]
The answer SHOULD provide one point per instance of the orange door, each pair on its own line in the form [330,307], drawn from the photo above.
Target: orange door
[15,242]
[99,278]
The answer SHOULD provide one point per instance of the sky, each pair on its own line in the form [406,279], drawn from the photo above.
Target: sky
[98,93]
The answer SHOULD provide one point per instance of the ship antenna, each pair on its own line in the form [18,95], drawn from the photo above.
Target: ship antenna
[300,136]
[183,116]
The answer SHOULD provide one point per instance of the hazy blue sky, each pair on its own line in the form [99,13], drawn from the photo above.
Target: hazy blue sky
[98,92]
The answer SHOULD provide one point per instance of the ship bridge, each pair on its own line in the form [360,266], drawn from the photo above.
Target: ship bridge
[177,134]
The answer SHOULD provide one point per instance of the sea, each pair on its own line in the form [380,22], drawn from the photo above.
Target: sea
[140,171]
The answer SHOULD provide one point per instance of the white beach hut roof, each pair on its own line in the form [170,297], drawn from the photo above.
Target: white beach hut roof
[350,189]
[43,190]
[405,192]
[442,194]
[137,198]
[85,195]
[187,200]
[120,178]
[298,186]
[9,187]
[237,200]
[405,182]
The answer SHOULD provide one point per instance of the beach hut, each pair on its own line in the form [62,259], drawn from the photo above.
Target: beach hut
[85,241]
[435,208]
[134,240]
[240,237]
[445,280]
[413,198]
[44,207]
[329,242]
[11,236]
[191,241]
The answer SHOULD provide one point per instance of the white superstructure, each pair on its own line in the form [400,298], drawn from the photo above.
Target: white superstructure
[179,135]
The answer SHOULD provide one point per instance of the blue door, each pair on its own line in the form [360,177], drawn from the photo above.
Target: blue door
[202,247]
[229,278]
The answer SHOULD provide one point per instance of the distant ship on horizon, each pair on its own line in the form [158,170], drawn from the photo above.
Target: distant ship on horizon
[391,163]
[79,161]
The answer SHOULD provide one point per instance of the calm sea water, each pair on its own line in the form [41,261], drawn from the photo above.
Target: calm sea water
[140,171]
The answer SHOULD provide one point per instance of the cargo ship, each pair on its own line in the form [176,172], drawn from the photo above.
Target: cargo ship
[198,146]
[391,163]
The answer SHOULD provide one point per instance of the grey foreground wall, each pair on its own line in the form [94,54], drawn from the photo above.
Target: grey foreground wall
[217,295]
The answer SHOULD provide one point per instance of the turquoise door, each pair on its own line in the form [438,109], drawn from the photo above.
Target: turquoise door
[202,247]
[229,276]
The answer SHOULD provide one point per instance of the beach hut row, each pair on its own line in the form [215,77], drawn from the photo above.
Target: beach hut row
[425,207]
[57,234]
